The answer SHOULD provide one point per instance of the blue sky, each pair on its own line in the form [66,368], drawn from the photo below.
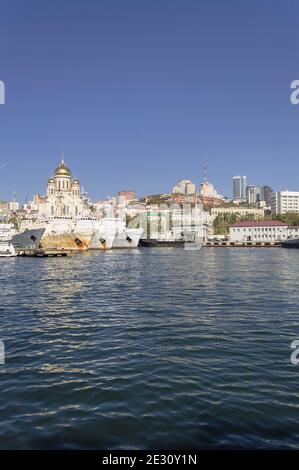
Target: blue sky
[137,93]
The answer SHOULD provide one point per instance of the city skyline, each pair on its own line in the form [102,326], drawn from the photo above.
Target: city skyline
[29,194]
[140,95]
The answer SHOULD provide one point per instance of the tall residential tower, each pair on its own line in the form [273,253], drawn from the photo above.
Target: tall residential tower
[239,187]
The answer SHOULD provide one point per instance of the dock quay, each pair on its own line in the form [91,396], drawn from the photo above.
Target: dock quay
[44,253]
[52,252]
[247,244]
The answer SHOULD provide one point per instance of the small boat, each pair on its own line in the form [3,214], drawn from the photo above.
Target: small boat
[7,249]
[290,243]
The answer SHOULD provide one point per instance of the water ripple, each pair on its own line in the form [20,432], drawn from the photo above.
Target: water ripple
[150,349]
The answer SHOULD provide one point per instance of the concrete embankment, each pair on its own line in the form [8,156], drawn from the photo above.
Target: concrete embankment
[247,244]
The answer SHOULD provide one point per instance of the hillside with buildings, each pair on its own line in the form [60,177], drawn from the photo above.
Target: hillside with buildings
[65,197]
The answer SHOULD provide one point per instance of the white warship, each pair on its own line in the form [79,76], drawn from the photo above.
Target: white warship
[110,232]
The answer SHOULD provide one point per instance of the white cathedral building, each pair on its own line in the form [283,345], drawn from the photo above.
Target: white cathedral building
[63,197]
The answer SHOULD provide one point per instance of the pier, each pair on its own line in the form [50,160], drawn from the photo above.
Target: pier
[40,253]
[247,244]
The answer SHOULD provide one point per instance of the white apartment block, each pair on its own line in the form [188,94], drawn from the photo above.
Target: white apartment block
[184,186]
[206,189]
[285,201]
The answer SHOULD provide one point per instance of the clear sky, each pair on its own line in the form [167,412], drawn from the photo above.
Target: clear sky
[137,93]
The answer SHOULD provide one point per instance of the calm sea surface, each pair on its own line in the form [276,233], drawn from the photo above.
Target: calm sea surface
[150,349]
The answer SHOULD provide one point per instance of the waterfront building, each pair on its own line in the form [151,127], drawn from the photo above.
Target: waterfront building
[4,210]
[253,194]
[14,206]
[255,213]
[136,209]
[105,207]
[293,231]
[63,196]
[284,201]
[30,208]
[124,199]
[258,230]
[239,187]
[208,220]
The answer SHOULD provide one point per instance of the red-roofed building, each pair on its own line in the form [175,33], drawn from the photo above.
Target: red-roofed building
[293,231]
[258,230]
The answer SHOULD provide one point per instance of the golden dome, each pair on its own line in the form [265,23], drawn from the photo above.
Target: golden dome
[51,180]
[76,181]
[62,170]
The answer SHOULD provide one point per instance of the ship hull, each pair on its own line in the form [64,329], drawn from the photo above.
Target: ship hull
[101,240]
[292,243]
[129,238]
[154,243]
[29,240]
[66,241]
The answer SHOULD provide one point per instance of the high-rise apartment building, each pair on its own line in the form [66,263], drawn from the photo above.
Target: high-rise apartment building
[253,194]
[239,187]
[266,192]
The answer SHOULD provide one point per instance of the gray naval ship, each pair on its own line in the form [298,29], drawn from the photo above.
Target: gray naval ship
[290,243]
[28,240]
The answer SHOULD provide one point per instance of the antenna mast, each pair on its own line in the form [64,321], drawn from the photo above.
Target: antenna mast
[205,171]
